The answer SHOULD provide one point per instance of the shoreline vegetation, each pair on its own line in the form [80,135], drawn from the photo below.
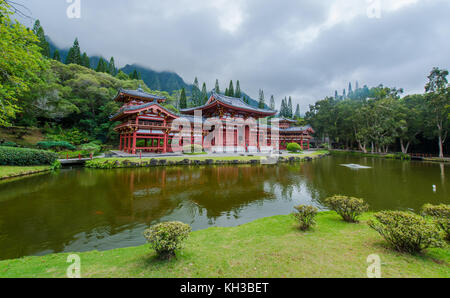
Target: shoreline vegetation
[136,162]
[400,156]
[268,247]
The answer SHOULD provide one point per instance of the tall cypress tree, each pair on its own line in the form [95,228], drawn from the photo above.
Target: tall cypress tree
[297,112]
[204,94]
[43,43]
[183,100]
[112,67]
[261,103]
[283,108]
[196,94]
[290,112]
[272,103]
[217,88]
[231,89]
[85,60]
[74,55]
[56,56]
[237,92]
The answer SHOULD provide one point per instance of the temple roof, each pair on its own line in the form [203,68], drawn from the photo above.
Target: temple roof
[139,93]
[297,129]
[229,101]
[127,109]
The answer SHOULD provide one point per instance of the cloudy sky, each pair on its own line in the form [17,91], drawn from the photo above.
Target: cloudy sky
[305,49]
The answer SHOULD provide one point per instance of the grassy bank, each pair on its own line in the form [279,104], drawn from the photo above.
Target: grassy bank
[16,171]
[269,247]
[192,159]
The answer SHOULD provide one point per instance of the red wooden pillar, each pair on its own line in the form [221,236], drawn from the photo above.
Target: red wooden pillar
[134,143]
[120,143]
[308,144]
[165,143]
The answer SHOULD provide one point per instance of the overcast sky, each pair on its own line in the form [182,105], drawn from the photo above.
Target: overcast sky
[305,49]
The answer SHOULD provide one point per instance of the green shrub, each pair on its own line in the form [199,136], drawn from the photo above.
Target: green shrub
[166,238]
[9,144]
[55,145]
[347,207]
[294,147]
[406,231]
[192,148]
[305,216]
[26,157]
[91,147]
[441,215]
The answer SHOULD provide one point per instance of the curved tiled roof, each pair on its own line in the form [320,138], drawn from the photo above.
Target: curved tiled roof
[138,107]
[139,93]
[231,101]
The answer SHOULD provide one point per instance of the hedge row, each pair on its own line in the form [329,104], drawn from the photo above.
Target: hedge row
[26,157]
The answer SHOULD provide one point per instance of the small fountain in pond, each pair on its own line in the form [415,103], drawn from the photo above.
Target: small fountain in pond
[355,166]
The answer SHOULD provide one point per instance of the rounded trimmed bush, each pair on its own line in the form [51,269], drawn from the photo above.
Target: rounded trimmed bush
[406,231]
[305,216]
[165,238]
[294,147]
[441,215]
[348,208]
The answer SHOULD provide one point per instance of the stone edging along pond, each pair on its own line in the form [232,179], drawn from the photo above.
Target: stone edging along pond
[112,163]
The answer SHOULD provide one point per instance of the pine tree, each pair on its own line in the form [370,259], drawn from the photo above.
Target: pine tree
[283,108]
[237,92]
[350,90]
[217,88]
[344,94]
[336,95]
[204,94]
[226,92]
[183,100]
[231,89]
[272,103]
[290,112]
[102,66]
[261,103]
[112,67]
[56,56]
[297,112]
[43,43]
[196,94]
[85,60]
[74,55]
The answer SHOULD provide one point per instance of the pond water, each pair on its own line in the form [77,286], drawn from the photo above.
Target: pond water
[85,209]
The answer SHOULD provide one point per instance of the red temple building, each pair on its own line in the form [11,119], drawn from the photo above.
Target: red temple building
[227,124]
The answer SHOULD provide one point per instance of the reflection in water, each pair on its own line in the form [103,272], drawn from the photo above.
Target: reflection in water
[81,209]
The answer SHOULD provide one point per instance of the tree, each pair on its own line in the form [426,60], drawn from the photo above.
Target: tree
[204,94]
[122,76]
[74,55]
[297,112]
[261,103]
[237,92]
[43,43]
[411,112]
[196,94]
[350,90]
[56,56]
[438,101]
[102,66]
[272,103]
[183,100]
[217,88]
[85,60]
[112,67]
[230,89]
[21,63]
[290,112]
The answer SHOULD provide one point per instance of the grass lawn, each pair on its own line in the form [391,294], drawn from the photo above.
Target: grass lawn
[269,247]
[14,171]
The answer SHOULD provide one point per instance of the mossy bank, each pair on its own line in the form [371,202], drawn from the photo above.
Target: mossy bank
[111,163]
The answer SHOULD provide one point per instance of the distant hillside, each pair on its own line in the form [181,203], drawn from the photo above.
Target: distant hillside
[163,81]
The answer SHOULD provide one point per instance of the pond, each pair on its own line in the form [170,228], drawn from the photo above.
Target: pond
[84,209]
